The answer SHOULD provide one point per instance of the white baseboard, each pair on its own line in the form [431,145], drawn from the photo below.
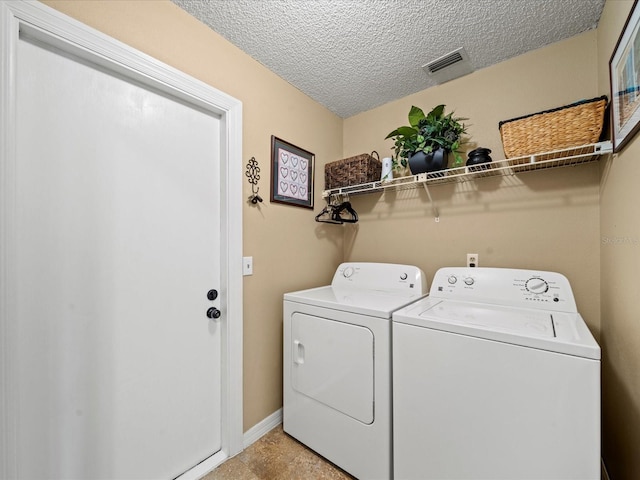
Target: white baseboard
[257,431]
[250,436]
[204,467]
[604,475]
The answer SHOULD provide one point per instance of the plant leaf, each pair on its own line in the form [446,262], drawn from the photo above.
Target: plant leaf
[407,131]
[436,113]
[392,134]
[415,115]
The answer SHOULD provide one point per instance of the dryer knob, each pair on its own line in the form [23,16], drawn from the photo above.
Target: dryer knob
[469,281]
[452,279]
[347,272]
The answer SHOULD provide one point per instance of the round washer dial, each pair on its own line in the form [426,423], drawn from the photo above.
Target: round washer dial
[537,285]
[347,272]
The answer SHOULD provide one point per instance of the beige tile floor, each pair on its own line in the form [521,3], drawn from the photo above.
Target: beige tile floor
[277,456]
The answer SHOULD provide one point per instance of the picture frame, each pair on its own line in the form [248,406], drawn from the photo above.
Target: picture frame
[292,171]
[624,79]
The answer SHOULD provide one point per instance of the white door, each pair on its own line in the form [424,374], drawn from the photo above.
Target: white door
[118,242]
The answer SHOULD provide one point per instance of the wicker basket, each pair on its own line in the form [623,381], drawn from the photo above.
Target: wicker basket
[362,168]
[572,125]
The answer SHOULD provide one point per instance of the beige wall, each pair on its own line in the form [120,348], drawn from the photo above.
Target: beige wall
[544,220]
[289,250]
[620,264]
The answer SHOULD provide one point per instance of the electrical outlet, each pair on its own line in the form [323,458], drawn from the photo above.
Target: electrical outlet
[247,266]
[472,259]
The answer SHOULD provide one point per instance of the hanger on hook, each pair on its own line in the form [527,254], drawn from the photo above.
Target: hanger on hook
[326,216]
[345,207]
[333,213]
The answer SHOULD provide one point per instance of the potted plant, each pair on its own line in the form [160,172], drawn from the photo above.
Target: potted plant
[424,145]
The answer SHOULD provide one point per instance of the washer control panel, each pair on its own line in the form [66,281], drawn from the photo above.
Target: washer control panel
[381,276]
[505,286]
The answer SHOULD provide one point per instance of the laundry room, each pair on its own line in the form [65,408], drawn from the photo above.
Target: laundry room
[580,221]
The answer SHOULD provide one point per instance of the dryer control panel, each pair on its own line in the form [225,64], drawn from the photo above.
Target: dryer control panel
[387,277]
[505,286]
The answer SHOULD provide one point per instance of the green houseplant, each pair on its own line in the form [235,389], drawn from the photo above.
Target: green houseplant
[434,134]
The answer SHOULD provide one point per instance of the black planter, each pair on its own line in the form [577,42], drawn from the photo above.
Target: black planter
[421,162]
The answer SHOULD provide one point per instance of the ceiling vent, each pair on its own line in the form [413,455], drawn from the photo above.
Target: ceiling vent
[452,65]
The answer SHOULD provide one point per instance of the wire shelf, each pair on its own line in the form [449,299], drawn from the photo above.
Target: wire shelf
[555,159]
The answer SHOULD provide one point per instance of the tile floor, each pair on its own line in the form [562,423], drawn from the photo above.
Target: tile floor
[277,456]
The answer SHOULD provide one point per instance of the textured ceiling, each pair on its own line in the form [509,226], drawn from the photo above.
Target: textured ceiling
[354,55]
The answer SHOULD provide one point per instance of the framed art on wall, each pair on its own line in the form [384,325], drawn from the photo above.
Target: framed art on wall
[624,72]
[291,174]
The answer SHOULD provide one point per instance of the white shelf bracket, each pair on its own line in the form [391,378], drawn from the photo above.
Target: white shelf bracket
[434,207]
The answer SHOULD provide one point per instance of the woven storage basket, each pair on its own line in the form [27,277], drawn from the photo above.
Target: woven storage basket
[570,126]
[362,168]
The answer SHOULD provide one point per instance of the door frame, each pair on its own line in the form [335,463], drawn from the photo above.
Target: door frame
[62,31]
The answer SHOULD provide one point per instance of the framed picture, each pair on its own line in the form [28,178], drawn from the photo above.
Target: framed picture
[624,72]
[291,174]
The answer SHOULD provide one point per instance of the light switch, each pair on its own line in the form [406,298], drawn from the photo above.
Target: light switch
[247,266]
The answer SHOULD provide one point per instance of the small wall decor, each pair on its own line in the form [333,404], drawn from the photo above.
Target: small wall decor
[253,173]
[291,174]
[625,84]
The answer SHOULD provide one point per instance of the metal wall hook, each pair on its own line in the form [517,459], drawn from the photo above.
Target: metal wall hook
[253,174]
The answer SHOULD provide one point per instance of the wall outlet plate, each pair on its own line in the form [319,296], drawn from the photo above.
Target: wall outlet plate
[472,260]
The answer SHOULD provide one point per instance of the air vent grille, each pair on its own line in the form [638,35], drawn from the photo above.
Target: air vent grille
[449,66]
[444,62]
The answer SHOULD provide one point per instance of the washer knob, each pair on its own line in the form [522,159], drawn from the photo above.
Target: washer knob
[404,276]
[452,279]
[469,281]
[537,285]
[347,272]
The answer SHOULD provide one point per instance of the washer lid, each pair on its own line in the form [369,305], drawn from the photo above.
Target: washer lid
[543,329]
[527,323]
[369,302]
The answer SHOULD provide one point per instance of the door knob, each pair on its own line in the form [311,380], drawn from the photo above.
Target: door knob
[213,312]
[212,294]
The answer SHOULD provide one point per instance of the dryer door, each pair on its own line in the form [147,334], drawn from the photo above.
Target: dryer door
[333,364]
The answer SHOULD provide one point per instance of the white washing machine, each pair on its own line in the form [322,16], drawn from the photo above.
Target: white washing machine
[337,364]
[495,376]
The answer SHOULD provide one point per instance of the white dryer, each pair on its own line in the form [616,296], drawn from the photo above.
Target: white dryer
[337,364]
[495,376]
